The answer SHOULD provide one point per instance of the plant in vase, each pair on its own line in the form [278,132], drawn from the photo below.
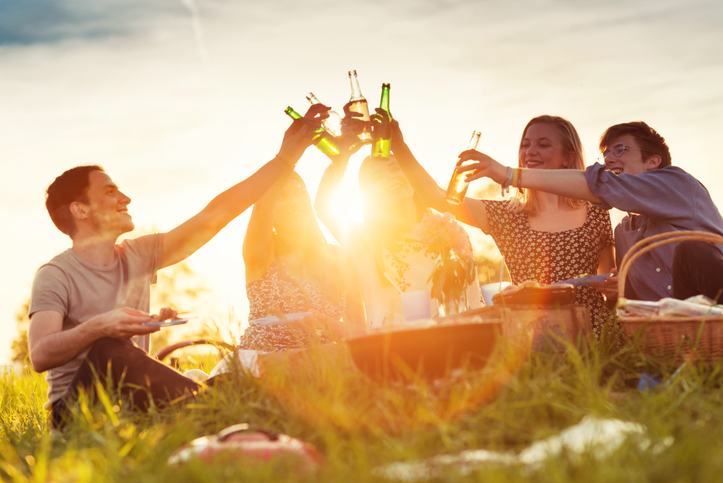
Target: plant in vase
[454,268]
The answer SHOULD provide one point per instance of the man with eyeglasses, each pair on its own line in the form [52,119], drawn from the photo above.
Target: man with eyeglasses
[637,177]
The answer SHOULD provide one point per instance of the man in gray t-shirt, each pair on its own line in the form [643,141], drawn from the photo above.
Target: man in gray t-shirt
[89,301]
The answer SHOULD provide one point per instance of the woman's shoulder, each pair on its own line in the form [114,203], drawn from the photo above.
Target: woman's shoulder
[596,213]
[502,211]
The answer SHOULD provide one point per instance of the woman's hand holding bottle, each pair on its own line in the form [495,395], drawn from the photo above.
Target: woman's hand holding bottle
[482,167]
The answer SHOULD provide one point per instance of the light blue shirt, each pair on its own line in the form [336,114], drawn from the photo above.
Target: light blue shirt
[657,201]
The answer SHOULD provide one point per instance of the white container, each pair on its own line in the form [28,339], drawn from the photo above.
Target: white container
[490,289]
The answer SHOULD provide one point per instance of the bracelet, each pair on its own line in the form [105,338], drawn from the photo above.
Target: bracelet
[283,160]
[516,177]
[505,187]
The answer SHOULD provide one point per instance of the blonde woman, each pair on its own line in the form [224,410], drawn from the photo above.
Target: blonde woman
[543,237]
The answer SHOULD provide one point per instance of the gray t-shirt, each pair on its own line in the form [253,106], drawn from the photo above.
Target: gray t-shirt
[79,291]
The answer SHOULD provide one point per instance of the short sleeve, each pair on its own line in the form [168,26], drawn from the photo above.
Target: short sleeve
[498,216]
[605,227]
[147,250]
[49,291]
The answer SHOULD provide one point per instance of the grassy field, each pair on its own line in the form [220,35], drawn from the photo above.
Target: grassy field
[359,425]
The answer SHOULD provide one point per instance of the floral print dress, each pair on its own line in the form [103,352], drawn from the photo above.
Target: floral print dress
[548,257]
[278,292]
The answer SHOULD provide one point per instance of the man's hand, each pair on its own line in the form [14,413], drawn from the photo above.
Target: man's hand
[484,167]
[124,323]
[609,288]
[51,346]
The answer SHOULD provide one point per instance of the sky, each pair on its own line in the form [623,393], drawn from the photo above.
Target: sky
[178,100]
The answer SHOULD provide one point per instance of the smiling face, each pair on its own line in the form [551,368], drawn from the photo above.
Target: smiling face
[632,159]
[542,147]
[107,208]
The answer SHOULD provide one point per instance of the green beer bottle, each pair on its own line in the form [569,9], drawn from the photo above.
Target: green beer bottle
[322,140]
[383,136]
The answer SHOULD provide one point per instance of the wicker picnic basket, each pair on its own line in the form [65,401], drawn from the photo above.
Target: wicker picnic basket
[685,338]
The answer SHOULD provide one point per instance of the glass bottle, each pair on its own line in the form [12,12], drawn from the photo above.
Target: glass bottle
[383,136]
[332,124]
[360,105]
[322,140]
[458,184]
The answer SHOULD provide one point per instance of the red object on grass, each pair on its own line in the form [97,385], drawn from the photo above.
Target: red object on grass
[244,444]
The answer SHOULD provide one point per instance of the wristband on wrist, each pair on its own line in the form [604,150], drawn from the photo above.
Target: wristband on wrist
[516,177]
[285,161]
[505,187]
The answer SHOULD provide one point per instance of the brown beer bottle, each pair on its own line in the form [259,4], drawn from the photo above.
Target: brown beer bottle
[360,105]
[458,184]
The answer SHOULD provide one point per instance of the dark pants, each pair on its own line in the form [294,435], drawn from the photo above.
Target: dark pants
[120,363]
[697,269]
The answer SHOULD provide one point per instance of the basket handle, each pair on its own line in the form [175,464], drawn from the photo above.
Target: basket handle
[640,248]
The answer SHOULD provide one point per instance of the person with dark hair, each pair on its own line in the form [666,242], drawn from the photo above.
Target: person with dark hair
[542,236]
[638,178]
[90,300]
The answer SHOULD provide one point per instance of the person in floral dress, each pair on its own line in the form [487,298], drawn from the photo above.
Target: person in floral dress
[290,268]
[543,237]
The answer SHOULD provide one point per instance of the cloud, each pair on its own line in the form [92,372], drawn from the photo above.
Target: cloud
[29,22]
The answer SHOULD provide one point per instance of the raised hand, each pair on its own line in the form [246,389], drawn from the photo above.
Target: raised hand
[300,134]
[351,126]
[484,167]
[382,125]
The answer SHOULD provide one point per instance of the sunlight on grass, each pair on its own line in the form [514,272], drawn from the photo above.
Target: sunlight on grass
[359,423]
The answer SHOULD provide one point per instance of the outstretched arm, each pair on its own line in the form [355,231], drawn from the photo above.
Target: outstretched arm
[570,183]
[188,237]
[258,247]
[423,184]
[348,143]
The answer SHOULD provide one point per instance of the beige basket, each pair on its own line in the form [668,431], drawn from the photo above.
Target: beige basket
[687,338]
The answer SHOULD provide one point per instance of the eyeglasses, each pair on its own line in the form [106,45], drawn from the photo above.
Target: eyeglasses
[616,150]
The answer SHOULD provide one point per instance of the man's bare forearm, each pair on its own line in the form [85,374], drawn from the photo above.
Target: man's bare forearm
[56,348]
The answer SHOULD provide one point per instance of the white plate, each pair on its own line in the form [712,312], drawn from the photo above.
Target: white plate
[168,323]
[274,320]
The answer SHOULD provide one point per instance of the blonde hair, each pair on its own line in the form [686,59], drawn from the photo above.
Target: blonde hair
[526,199]
[321,260]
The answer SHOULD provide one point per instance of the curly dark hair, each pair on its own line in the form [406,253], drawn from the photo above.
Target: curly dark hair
[67,188]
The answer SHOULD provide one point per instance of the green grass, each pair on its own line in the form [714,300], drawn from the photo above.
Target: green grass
[359,424]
